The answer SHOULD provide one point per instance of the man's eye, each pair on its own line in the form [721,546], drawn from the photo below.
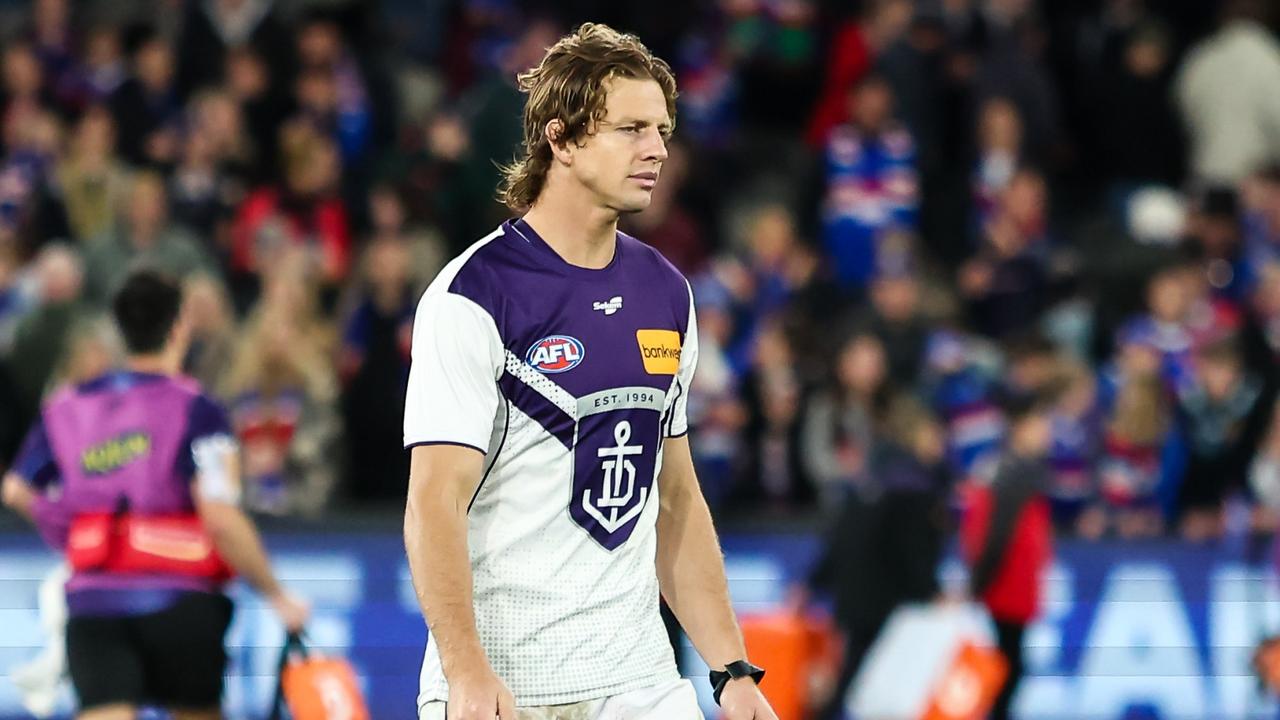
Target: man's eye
[629,129]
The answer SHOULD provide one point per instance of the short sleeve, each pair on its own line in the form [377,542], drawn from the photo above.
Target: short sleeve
[677,420]
[452,396]
[207,423]
[35,462]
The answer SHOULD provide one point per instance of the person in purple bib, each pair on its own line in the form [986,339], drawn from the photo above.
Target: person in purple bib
[135,476]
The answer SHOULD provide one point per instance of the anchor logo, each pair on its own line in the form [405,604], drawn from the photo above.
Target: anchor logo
[619,483]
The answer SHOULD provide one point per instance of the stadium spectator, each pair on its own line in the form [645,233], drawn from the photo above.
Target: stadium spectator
[1006,284]
[1224,414]
[204,189]
[871,183]
[773,473]
[95,183]
[212,30]
[282,397]
[1141,139]
[1007,535]
[42,335]
[147,107]
[207,307]
[1223,89]
[840,420]
[1000,155]
[374,368]
[884,545]
[305,212]
[143,236]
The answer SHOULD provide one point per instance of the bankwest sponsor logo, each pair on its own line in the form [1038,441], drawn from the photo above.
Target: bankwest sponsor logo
[660,350]
[555,354]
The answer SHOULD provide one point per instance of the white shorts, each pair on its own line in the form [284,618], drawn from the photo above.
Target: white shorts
[676,700]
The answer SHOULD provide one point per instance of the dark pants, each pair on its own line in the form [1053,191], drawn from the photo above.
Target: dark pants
[1009,638]
[857,642]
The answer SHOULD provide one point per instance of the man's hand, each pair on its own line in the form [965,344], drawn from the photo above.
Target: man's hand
[479,695]
[742,700]
[292,611]
[17,495]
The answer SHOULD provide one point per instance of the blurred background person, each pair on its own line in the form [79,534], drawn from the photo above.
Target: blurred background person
[281,395]
[1007,535]
[883,547]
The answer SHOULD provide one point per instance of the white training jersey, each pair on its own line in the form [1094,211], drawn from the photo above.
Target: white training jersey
[567,379]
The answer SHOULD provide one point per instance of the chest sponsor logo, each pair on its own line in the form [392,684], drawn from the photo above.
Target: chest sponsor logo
[660,350]
[111,455]
[555,354]
[608,307]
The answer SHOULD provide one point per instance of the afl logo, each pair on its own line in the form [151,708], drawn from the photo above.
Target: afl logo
[555,354]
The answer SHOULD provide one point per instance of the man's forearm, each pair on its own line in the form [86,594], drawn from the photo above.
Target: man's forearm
[691,575]
[238,543]
[441,569]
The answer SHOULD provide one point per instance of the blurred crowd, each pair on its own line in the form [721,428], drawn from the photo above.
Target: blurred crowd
[898,217]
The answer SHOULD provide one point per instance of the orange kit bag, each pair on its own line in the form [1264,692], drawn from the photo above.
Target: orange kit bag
[316,687]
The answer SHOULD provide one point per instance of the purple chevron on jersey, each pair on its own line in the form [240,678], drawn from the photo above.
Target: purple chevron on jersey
[584,331]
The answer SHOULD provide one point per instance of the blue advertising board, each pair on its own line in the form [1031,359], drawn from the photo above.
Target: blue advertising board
[1156,630]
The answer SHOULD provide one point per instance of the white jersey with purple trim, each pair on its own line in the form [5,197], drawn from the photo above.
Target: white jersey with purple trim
[567,380]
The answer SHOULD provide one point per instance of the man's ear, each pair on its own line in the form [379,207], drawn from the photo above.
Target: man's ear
[560,150]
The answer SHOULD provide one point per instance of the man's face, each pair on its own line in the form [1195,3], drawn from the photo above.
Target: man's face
[619,163]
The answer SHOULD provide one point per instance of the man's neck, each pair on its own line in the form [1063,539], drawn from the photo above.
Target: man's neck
[155,364]
[585,239]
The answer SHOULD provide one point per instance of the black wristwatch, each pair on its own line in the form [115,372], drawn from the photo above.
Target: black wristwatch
[733,671]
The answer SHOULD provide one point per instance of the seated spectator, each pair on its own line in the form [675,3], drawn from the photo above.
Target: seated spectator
[374,369]
[333,90]
[716,411]
[24,94]
[1135,433]
[964,393]
[895,314]
[1218,236]
[305,212]
[773,474]
[1165,328]
[30,207]
[871,184]
[1224,414]
[1264,477]
[95,183]
[263,106]
[94,347]
[1077,441]
[105,68]
[441,189]
[207,308]
[147,107]
[389,220]
[143,236]
[1006,284]
[1265,306]
[282,394]
[840,422]
[41,337]
[17,294]
[1261,216]
[999,155]
[1141,138]
[212,30]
